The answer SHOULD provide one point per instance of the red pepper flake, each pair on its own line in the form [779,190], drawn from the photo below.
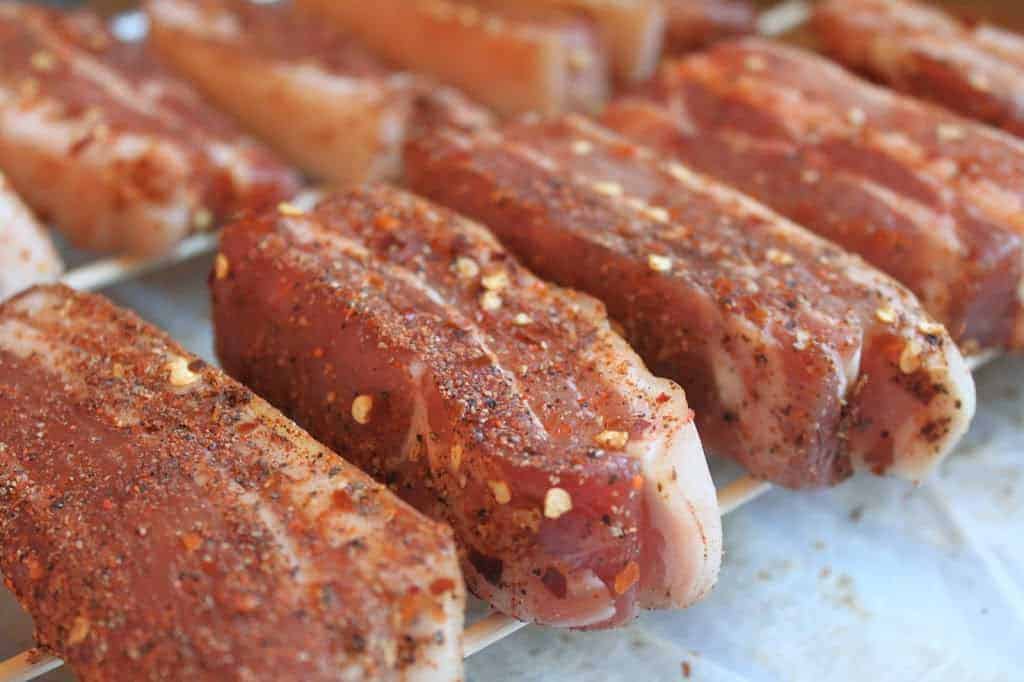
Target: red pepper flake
[441,585]
[107,504]
[342,500]
[686,669]
[36,570]
[386,222]
[412,604]
[191,542]
[627,577]
[664,398]
[248,427]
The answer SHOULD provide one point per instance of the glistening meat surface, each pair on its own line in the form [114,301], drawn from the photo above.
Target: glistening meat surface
[316,94]
[931,198]
[974,69]
[512,57]
[101,140]
[405,337]
[160,522]
[802,362]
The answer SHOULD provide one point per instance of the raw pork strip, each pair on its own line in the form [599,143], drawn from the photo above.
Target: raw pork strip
[103,142]
[315,94]
[976,70]
[160,522]
[802,362]
[407,339]
[514,58]
[932,199]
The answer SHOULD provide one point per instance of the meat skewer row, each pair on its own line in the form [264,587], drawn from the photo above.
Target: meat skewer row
[406,338]
[315,94]
[103,142]
[513,57]
[489,630]
[976,70]
[928,197]
[106,272]
[27,255]
[180,528]
[802,363]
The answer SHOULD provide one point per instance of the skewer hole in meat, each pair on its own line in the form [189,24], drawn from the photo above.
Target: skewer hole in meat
[99,139]
[931,198]
[802,362]
[513,58]
[27,255]
[408,339]
[162,523]
[976,70]
[315,94]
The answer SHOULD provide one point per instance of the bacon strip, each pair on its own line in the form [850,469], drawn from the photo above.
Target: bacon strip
[514,58]
[926,196]
[976,70]
[160,522]
[27,255]
[102,141]
[802,363]
[693,24]
[409,340]
[316,95]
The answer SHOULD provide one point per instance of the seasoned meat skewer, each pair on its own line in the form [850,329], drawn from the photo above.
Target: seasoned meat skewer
[803,363]
[514,58]
[977,70]
[100,140]
[693,24]
[27,255]
[931,198]
[160,522]
[315,94]
[409,340]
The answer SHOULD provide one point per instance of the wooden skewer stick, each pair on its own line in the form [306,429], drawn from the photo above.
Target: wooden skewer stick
[110,271]
[487,631]
[740,492]
[28,665]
